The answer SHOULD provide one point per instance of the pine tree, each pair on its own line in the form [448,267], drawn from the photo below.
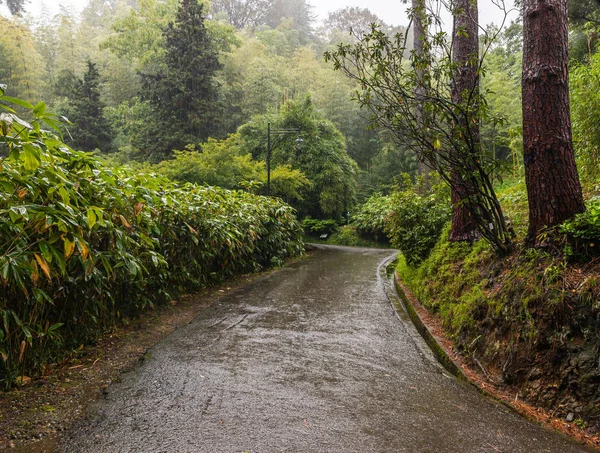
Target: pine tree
[184,92]
[90,129]
[553,186]
[465,88]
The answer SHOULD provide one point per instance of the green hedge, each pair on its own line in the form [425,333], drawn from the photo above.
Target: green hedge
[372,217]
[82,245]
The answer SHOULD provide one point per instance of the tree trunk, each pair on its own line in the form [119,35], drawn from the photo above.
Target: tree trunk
[418,42]
[465,89]
[553,186]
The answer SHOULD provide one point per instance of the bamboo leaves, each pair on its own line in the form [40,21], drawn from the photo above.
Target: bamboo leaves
[82,245]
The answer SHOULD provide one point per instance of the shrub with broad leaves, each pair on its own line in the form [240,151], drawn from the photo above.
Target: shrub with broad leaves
[82,244]
[416,221]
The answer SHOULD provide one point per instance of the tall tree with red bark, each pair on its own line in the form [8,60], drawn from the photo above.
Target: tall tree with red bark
[553,186]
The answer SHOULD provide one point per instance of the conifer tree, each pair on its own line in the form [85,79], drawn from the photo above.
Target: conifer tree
[553,188]
[90,129]
[183,93]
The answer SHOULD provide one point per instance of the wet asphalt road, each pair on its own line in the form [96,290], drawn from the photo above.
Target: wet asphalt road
[310,358]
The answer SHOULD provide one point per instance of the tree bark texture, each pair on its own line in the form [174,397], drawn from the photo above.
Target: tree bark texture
[465,88]
[553,186]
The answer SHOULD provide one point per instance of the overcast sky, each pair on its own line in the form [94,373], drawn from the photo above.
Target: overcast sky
[392,12]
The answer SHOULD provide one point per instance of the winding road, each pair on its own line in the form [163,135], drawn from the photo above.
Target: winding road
[310,358]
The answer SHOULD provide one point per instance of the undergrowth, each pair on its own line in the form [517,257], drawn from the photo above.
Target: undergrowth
[532,318]
[349,236]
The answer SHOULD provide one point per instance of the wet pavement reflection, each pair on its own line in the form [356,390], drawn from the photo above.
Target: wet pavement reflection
[310,358]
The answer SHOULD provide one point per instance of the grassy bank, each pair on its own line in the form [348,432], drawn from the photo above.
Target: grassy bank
[530,320]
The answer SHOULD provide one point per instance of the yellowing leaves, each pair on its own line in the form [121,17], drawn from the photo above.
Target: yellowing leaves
[35,275]
[22,350]
[43,265]
[138,208]
[124,222]
[83,248]
[69,247]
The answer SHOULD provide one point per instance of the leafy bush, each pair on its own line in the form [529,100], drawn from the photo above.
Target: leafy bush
[416,222]
[583,231]
[584,81]
[315,227]
[321,157]
[348,235]
[82,245]
[217,163]
[288,183]
[223,164]
[371,218]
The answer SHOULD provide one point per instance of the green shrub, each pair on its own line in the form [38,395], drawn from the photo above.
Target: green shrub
[584,81]
[315,227]
[82,245]
[348,235]
[416,221]
[583,231]
[371,218]
[217,163]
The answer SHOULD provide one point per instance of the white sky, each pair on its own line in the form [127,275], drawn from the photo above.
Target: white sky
[392,12]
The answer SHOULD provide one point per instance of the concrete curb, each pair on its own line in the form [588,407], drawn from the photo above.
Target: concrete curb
[438,350]
[446,361]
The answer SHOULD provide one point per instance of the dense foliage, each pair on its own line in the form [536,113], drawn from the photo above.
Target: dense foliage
[224,163]
[432,101]
[317,228]
[321,156]
[131,43]
[183,89]
[90,130]
[215,163]
[585,84]
[416,221]
[583,231]
[83,245]
[372,216]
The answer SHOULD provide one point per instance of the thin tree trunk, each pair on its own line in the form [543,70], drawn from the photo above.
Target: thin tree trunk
[465,89]
[553,185]
[418,42]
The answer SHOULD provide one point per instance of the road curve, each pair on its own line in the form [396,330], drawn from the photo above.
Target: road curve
[310,358]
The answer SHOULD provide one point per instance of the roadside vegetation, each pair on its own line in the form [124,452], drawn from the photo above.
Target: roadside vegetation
[158,183]
[85,245]
[527,320]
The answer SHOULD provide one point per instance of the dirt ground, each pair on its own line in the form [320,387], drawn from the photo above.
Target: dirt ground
[33,416]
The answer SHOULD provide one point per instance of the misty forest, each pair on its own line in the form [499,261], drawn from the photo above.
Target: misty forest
[150,148]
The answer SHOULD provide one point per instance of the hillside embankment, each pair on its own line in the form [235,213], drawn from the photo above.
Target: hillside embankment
[527,324]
